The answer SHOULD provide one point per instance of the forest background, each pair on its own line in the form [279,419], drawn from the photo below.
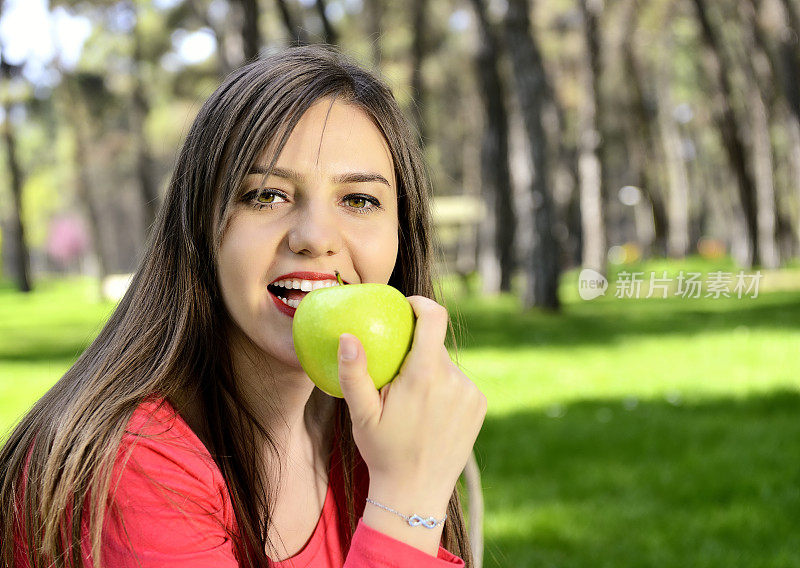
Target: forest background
[616,189]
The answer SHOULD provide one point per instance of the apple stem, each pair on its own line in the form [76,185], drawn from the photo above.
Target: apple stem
[339,278]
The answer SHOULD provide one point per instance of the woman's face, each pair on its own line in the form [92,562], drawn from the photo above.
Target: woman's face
[330,204]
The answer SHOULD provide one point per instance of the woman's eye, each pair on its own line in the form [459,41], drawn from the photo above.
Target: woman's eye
[362,203]
[268,198]
[262,198]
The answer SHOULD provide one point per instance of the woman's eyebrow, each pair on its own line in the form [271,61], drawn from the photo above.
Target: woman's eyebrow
[361,177]
[348,177]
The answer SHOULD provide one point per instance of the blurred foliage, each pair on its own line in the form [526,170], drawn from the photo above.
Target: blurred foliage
[664,35]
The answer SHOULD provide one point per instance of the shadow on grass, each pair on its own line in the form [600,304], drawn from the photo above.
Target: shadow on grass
[498,322]
[52,343]
[633,483]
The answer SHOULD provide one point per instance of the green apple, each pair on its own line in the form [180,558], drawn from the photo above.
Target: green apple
[378,314]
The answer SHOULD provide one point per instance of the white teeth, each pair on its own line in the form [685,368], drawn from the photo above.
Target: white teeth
[305,285]
[290,303]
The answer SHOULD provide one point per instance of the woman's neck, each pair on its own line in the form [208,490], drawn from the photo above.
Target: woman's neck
[304,441]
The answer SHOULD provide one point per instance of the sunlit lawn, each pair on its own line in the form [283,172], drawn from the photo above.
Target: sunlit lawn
[41,335]
[622,432]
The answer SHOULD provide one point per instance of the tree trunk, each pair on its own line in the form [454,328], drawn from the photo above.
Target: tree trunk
[794,167]
[765,186]
[418,53]
[784,64]
[22,255]
[79,116]
[331,37]
[719,67]
[251,36]
[297,34]
[83,192]
[500,222]
[793,21]
[677,174]
[470,242]
[790,57]
[145,165]
[760,96]
[374,16]
[573,240]
[643,119]
[590,166]
[542,267]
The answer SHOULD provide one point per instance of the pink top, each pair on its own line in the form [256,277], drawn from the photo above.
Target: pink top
[172,507]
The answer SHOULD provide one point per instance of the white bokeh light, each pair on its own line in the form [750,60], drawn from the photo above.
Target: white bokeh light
[194,47]
[34,37]
[630,195]
[25,31]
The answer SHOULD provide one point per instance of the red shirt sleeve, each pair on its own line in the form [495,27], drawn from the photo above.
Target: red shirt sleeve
[168,502]
[373,549]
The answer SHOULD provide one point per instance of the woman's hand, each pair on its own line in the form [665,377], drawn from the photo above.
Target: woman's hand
[417,432]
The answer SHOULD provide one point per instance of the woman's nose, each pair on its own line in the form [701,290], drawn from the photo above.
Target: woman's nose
[316,232]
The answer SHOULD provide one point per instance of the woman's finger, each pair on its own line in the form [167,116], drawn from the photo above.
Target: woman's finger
[429,331]
[359,392]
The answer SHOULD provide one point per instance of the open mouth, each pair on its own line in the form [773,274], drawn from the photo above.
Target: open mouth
[290,297]
[290,292]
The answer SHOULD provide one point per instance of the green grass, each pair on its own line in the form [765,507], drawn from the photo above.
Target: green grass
[41,335]
[620,433]
[644,432]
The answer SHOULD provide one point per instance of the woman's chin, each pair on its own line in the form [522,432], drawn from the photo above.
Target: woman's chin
[287,356]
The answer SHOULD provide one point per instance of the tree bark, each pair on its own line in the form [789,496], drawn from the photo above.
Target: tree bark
[251,35]
[331,37]
[297,34]
[590,166]
[644,118]
[719,67]
[76,110]
[794,167]
[418,53]
[573,239]
[145,165]
[542,267]
[499,225]
[784,65]
[22,255]
[765,186]
[374,18]
[761,96]
[793,21]
[677,174]
[790,57]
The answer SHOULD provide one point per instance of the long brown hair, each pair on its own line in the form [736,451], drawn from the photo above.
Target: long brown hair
[167,335]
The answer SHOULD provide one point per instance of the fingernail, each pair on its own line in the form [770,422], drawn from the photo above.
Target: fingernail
[347,348]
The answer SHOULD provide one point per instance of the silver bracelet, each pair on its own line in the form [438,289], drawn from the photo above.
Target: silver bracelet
[414,520]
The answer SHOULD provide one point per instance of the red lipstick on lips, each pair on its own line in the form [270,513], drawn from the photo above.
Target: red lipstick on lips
[288,310]
[308,276]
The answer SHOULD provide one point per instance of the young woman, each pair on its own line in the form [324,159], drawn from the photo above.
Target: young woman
[187,434]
